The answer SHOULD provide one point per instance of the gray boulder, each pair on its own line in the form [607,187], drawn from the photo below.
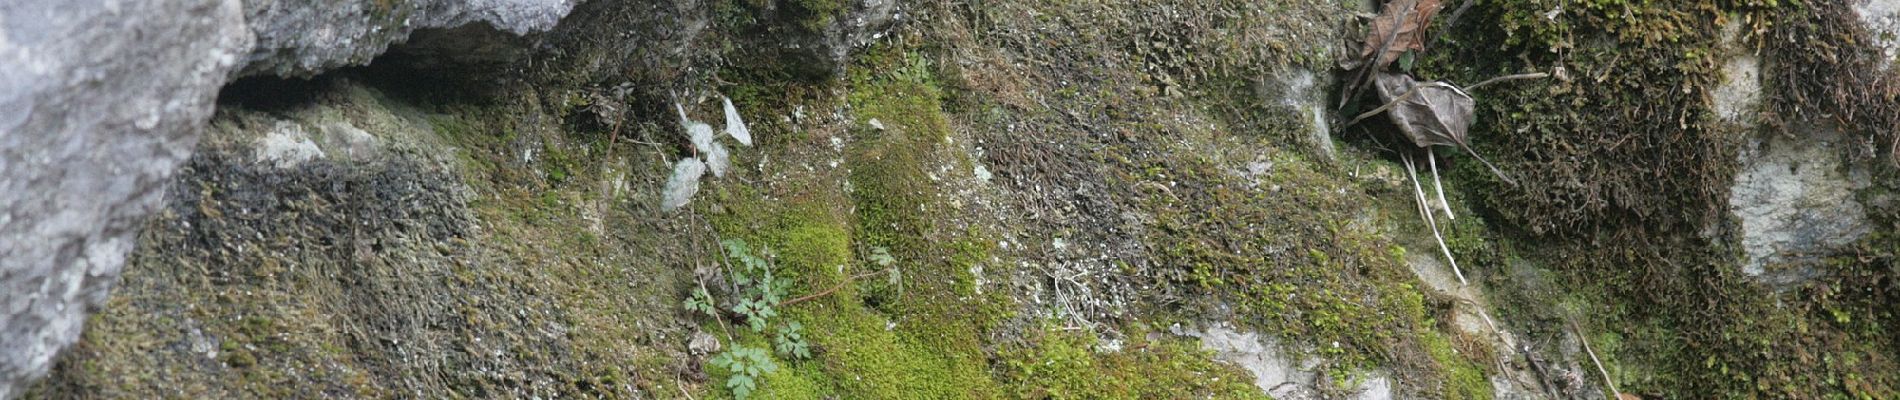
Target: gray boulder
[101,100]
[99,103]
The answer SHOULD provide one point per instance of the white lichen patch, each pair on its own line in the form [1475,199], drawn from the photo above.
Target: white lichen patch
[1304,94]
[354,142]
[1882,18]
[1795,199]
[286,146]
[1275,371]
[1740,93]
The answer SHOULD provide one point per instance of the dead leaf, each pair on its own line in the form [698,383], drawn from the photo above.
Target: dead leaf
[1402,23]
[1429,113]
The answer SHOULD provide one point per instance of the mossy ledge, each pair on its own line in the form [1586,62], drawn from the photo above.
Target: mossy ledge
[1070,190]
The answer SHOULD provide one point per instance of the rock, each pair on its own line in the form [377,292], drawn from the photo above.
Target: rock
[703,343]
[301,38]
[1277,373]
[1882,18]
[1740,92]
[1298,92]
[1274,372]
[819,42]
[99,103]
[1737,99]
[1795,198]
[287,146]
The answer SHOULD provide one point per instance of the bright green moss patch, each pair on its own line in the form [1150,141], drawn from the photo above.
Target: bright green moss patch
[859,351]
[872,339]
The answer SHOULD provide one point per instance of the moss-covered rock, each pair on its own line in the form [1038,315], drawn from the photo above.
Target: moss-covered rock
[1060,187]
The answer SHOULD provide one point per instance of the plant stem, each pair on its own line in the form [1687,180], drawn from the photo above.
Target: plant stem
[1419,195]
[833,289]
[1614,393]
[1438,183]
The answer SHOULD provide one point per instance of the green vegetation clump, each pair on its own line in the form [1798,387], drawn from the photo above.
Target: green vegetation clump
[1620,136]
[1063,364]
[745,364]
[867,341]
[1629,198]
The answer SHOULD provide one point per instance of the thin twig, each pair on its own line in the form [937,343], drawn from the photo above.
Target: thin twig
[1395,102]
[1452,21]
[1516,77]
[716,317]
[1615,394]
[1419,195]
[1487,164]
[847,281]
[717,243]
[682,386]
[1438,183]
[1414,91]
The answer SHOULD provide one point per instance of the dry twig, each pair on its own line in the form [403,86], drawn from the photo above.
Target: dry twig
[1616,394]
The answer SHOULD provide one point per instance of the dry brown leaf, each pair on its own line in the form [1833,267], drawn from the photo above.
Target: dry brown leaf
[1409,18]
[1429,113]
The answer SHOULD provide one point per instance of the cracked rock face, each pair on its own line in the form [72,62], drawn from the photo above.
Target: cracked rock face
[100,102]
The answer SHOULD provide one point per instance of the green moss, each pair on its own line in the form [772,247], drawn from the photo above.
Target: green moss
[857,353]
[870,341]
[815,15]
[1063,364]
[1465,375]
[1671,311]
[1346,284]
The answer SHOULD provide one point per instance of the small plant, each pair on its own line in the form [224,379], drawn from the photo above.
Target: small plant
[708,155]
[745,364]
[790,342]
[756,293]
[893,276]
[701,302]
[760,290]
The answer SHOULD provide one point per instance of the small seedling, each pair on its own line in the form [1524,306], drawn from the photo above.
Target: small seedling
[701,302]
[746,365]
[790,341]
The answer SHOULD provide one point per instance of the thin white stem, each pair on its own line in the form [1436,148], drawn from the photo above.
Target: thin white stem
[1437,183]
[1615,393]
[1416,200]
[1418,192]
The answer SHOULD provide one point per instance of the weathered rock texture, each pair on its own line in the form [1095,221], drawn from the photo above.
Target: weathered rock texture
[306,37]
[100,102]
[477,214]
[1882,18]
[1796,202]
